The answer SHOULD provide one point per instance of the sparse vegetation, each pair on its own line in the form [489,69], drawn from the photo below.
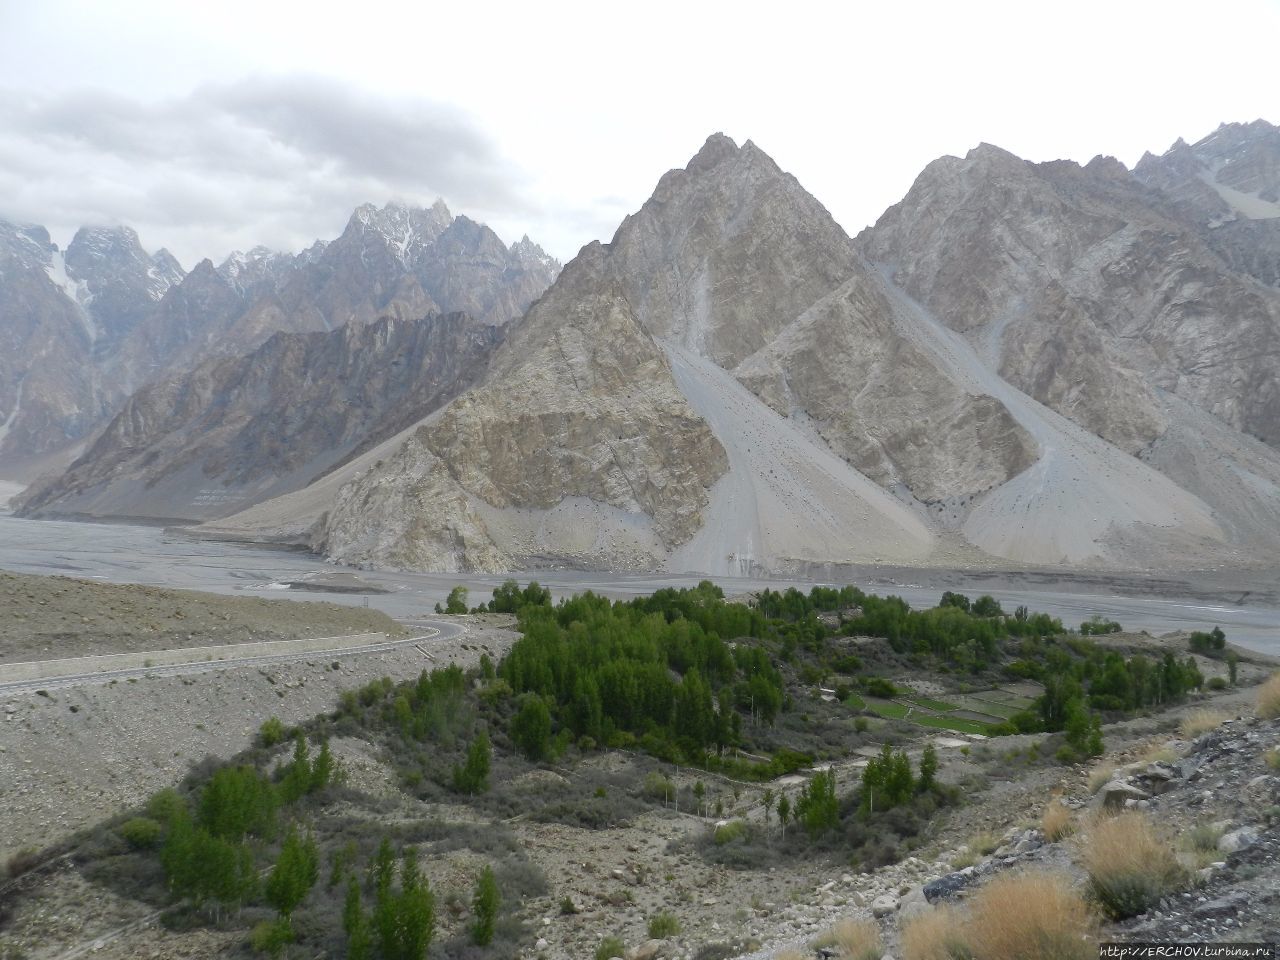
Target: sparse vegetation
[1130,866]
[1031,915]
[1199,722]
[939,934]
[1269,698]
[853,940]
[611,948]
[663,926]
[679,680]
[1056,822]
[1201,841]
[1100,776]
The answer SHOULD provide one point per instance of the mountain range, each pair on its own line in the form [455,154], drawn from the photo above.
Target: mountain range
[1027,363]
[87,327]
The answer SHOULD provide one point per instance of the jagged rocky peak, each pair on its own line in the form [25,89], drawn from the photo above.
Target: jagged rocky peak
[404,228]
[102,256]
[531,256]
[1232,174]
[260,266]
[27,243]
[466,236]
[693,265]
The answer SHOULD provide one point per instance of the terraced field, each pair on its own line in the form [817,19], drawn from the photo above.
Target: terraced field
[975,713]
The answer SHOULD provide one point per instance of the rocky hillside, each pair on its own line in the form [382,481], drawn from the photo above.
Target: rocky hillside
[1077,287]
[240,429]
[91,327]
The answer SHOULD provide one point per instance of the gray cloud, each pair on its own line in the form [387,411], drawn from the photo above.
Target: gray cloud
[274,160]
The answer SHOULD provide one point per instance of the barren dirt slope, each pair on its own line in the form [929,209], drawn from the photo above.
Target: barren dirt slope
[786,495]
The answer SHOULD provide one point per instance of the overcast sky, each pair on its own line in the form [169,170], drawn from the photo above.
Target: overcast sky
[210,127]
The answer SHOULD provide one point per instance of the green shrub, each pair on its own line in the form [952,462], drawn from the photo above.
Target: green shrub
[610,947]
[1217,683]
[141,833]
[272,732]
[879,687]
[663,926]
[271,937]
[729,832]
[658,787]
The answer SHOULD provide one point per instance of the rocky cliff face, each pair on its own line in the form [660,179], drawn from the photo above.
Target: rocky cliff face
[1084,293]
[578,417]
[733,260]
[1091,292]
[240,429]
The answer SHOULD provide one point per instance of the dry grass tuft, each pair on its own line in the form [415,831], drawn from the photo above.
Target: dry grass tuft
[1199,722]
[1032,915]
[792,955]
[977,847]
[940,934]
[1272,758]
[1130,865]
[1269,698]
[1056,822]
[1100,776]
[1201,843]
[853,940]
[1161,752]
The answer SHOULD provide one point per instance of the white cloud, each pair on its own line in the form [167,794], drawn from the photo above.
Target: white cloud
[268,122]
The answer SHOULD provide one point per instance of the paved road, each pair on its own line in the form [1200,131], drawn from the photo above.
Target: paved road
[435,631]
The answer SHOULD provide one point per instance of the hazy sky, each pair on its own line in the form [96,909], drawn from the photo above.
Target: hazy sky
[215,126]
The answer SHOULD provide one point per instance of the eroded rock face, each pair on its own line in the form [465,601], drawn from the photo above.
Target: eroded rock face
[882,403]
[238,429]
[1084,293]
[727,252]
[578,404]
[732,259]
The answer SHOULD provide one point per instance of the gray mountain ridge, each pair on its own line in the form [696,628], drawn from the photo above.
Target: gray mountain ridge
[1024,363]
[89,327]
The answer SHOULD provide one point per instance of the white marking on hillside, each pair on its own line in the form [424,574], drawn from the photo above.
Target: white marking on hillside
[13,414]
[77,291]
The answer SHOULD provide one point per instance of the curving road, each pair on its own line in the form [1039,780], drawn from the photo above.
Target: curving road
[436,630]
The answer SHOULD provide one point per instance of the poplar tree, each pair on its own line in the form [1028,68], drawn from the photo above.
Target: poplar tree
[485,907]
[294,874]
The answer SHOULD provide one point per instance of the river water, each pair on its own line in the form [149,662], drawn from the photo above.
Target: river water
[1244,606]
